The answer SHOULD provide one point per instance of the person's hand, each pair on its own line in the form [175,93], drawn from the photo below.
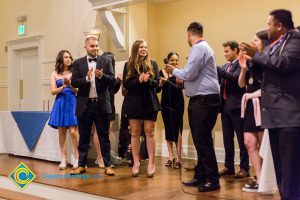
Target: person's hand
[98,73]
[90,74]
[67,81]
[169,68]
[120,76]
[162,81]
[248,50]
[242,61]
[146,77]
[141,77]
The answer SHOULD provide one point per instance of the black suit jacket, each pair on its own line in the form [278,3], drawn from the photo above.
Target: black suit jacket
[233,92]
[79,73]
[280,84]
[141,98]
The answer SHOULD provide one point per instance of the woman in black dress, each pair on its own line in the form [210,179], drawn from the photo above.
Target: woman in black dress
[251,79]
[172,104]
[141,104]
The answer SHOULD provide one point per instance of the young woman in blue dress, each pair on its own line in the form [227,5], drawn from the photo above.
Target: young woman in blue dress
[62,116]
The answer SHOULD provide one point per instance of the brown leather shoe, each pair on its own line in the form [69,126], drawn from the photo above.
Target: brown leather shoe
[109,171]
[79,170]
[242,174]
[226,172]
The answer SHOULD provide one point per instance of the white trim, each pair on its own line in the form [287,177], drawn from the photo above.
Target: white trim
[189,152]
[3,84]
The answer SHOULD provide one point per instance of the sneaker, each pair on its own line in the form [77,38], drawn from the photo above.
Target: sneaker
[251,187]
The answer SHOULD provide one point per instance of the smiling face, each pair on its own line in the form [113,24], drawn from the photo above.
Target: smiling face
[143,50]
[230,54]
[91,46]
[173,60]
[67,59]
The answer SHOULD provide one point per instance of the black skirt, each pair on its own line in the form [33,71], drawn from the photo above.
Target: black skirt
[173,121]
[249,120]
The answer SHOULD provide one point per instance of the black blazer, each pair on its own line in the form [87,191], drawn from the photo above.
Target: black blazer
[141,98]
[233,92]
[79,73]
[280,84]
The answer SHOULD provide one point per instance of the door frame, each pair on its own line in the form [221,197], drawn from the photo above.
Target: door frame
[13,49]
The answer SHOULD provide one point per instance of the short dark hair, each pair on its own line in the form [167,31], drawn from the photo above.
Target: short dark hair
[196,28]
[263,36]
[284,17]
[232,44]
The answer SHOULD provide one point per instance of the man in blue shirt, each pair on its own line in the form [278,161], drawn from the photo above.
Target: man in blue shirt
[202,86]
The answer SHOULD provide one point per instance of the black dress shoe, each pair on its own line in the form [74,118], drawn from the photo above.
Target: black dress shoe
[191,183]
[209,186]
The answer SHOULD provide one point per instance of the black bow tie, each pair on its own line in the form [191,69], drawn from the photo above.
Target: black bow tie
[92,59]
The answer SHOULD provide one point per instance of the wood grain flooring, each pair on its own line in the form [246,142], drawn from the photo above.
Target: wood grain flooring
[166,183]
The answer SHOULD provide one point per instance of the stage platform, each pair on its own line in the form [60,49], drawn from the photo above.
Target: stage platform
[166,183]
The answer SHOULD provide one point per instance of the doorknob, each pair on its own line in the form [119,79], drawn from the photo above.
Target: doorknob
[21,89]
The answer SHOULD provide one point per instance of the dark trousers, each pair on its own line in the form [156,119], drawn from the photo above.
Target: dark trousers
[232,122]
[85,122]
[203,112]
[285,146]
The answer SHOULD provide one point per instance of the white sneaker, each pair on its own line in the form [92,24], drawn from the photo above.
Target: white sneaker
[75,166]
[62,165]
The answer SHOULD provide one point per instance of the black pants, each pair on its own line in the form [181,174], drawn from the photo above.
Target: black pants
[232,122]
[90,115]
[285,146]
[203,112]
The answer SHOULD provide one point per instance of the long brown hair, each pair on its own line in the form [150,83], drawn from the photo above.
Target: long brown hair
[59,64]
[134,64]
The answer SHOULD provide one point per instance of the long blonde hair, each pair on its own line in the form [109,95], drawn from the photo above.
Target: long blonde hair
[134,64]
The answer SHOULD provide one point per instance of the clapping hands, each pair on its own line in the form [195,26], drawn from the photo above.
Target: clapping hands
[144,77]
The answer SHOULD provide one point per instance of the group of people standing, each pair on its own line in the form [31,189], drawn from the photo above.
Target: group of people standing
[255,90]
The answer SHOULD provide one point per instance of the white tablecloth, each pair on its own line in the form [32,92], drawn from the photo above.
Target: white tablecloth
[267,183]
[46,148]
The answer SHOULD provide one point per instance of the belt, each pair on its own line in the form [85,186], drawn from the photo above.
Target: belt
[93,100]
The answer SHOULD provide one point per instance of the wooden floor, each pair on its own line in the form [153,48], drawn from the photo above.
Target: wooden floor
[166,183]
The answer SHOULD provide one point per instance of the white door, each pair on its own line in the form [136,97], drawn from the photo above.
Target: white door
[30,86]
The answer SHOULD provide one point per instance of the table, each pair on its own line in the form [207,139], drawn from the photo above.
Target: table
[46,148]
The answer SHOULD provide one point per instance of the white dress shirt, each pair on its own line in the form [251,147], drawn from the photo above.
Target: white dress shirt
[93,91]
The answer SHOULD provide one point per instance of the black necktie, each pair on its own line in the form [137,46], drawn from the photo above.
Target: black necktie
[92,59]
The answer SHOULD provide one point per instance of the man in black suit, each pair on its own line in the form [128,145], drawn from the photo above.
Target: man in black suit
[232,122]
[93,74]
[280,98]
